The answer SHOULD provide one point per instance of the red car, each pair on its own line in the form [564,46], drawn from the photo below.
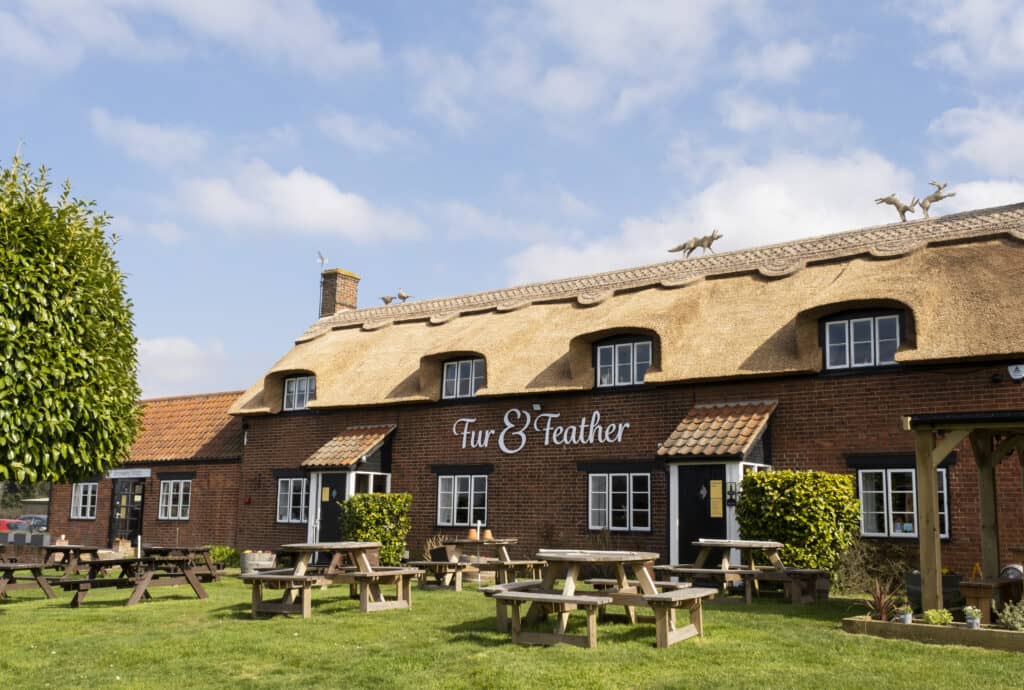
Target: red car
[11,525]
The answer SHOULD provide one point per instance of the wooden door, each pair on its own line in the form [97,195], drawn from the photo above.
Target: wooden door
[332,493]
[126,509]
[701,507]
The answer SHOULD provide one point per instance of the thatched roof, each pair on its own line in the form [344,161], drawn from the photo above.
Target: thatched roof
[742,313]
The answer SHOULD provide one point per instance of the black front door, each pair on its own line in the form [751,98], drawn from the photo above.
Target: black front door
[701,507]
[126,509]
[332,493]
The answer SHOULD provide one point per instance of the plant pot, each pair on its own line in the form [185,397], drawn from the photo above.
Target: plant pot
[973,623]
[905,618]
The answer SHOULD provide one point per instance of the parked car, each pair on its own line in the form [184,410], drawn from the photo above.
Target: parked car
[37,523]
[12,525]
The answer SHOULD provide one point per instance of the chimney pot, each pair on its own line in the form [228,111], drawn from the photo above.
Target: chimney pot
[339,291]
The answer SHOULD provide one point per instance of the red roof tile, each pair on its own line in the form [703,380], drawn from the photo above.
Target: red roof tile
[349,446]
[188,427]
[719,429]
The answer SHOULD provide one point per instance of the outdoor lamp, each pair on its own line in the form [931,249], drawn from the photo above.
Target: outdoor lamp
[731,494]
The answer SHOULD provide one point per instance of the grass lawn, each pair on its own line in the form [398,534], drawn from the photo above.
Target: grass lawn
[449,640]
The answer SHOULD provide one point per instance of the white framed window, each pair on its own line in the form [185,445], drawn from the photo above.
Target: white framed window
[298,391]
[888,502]
[175,499]
[461,500]
[870,341]
[292,500]
[372,483]
[622,364]
[462,378]
[620,502]
[83,501]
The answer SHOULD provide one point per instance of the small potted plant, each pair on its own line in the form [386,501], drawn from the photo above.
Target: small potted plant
[905,614]
[972,614]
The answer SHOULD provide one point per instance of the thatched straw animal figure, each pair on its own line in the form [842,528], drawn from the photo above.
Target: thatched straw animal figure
[690,246]
[937,195]
[902,208]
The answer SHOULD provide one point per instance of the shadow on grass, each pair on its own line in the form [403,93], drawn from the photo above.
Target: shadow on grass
[481,632]
[830,610]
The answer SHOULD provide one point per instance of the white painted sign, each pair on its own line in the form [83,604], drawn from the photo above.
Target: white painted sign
[1016,372]
[520,425]
[139,473]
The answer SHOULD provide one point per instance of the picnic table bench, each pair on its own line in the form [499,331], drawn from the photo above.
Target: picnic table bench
[748,576]
[141,574]
[445,573]
[506,570]
[300,586]
[206,569]
[9,580]
[562,603]
[665,604]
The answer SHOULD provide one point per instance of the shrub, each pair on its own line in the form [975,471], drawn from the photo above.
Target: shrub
[866,561]
[882,600]
[227,556]
[1012,615]
[937,617]
[378,517]
[815,514]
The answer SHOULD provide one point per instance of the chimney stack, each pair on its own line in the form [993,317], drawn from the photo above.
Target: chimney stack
[339,290]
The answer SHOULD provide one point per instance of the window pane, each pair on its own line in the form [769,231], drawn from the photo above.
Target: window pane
[362,483]
[901,502]
[835,336]
[604,355]
[887,351]
[380,483]
[311,388]
[605,376]
[861,333]
[943,512]
[449,388]
[464,384]
[623,364]
[888,338]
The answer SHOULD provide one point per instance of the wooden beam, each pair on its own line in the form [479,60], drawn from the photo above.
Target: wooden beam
[1011,443]
[928,521]
[981,444]
[947,444]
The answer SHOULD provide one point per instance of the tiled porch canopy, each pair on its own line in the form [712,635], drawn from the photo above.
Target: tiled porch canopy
[719,430]
[993,436]
[349,447]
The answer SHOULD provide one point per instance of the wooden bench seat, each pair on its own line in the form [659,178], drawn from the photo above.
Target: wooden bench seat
[607,582]
[297,596]
[801,585]
[748,576]
[505,571]
[664,604]
[370,596]
[501,607]
[561,603]
[445,573]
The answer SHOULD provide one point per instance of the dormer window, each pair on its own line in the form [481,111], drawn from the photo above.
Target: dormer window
[861,341]
[462,378]
[622,361]
[298,391]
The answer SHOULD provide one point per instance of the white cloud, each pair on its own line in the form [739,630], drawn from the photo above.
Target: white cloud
[445,81]
[789,196]
[173,365]
[690,154]
[574,207]
[748,115]
[980,194]
[258,197]
[775,61]
[977,38]
[58,34]
[987,136]
[369,136]
[152,143]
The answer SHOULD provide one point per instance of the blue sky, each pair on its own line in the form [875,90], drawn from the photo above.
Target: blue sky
[447,147]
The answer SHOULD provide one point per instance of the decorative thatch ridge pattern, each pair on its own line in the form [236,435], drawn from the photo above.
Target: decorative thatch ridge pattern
[771,261]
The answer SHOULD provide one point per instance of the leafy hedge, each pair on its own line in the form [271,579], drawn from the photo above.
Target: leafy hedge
[815,514]
[378,517]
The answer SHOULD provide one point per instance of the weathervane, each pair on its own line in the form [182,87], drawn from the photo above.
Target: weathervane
[690,246]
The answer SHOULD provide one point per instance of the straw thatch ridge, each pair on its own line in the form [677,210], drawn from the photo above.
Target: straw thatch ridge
[955,279]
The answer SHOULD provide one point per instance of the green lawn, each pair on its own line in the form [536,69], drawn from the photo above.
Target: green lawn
[449,640]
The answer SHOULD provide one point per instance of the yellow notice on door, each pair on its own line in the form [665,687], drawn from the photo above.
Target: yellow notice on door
[325,494]
[716,503]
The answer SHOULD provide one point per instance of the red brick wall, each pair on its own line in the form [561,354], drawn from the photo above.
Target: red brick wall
[539,496]
[212,512]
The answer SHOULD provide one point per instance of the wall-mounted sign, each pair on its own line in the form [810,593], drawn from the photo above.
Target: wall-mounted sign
[520,425]
[134,473]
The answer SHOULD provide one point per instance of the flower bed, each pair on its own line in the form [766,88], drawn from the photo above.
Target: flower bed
[987,636]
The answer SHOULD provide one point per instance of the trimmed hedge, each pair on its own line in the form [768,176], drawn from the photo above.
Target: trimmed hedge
[815,514]
[378,517]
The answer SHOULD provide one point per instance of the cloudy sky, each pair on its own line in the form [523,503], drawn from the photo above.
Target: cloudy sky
[447,146]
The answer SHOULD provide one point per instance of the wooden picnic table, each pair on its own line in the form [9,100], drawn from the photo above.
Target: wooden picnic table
[141,574]
[200,556]
[298,582]
[10,581]
[638,591]
[746,547]
[68,556]
[502,563]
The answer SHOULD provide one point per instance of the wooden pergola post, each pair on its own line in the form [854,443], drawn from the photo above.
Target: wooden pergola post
[981,444]
[928,522]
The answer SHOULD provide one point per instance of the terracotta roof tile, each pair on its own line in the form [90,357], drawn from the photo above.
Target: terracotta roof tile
[719,429]
[349,446]
[188,427]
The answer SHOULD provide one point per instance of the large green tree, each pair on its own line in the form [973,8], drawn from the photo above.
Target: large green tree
[68,392]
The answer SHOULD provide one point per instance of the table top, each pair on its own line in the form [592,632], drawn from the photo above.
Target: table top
[738,544]
[331,546]
[171,549]
[593,556]
[71,547]
[483,542]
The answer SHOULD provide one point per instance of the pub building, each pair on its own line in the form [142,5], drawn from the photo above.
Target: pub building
[620,409]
